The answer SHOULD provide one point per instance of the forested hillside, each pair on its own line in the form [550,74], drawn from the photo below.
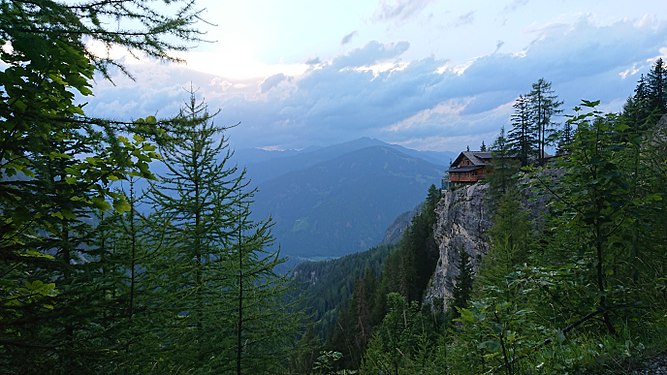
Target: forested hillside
[579,290]
[324,285]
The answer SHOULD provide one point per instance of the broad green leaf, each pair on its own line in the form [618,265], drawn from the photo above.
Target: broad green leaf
[100,203]
[121,205]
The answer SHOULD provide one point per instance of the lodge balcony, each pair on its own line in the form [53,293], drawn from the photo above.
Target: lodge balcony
[464,177]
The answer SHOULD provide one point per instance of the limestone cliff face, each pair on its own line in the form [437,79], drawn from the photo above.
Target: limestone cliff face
[463,221]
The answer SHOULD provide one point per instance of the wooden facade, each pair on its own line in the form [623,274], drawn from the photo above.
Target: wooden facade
[472,166]
[468,168]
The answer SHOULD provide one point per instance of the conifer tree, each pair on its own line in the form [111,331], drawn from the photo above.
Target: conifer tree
[396,342]
[644,108]
[657,88]
[194,207]
[463,286]
[521,139]
[567,137]
[504,167]
[543,104]
[219,293]
[266,324]
[637,109]
[56,167]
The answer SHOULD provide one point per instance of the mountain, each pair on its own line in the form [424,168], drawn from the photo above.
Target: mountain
[344,204]
[249,156]
[395,231]
[272,164]
[264,165]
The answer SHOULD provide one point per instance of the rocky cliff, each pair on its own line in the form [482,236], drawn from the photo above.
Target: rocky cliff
[464,218]
[463,221]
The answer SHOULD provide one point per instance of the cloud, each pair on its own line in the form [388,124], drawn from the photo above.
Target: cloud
[419,105]
[370,54]
[514,5]
[399,9]
[466,19]
[347,38]
[272,82]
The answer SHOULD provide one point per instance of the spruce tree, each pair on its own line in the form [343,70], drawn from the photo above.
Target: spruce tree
[637,108]
[644,108]
[657,88]
[522,138]
[463,286]
[503,168]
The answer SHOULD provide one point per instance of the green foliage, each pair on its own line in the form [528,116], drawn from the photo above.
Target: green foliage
[522,138]
[581,292]
[222,307]
[543,105]
[463,286]
[325,364]
[400,344]
[325,286]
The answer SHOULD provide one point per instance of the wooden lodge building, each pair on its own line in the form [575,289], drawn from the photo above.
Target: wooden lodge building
[468,168]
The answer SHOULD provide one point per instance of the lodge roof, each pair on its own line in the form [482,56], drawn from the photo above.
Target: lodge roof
[478,158]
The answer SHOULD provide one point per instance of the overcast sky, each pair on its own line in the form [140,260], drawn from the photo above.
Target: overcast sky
[426,74]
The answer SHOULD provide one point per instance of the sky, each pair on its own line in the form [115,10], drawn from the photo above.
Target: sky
[425,74]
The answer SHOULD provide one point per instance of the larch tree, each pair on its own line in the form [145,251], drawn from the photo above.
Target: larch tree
[543,104]
[220,300]
[57,166]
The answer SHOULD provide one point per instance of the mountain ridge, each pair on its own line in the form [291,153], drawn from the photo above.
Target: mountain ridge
[263,165]
[345,204]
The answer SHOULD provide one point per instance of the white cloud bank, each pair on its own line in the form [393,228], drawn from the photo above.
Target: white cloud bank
[417,103]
